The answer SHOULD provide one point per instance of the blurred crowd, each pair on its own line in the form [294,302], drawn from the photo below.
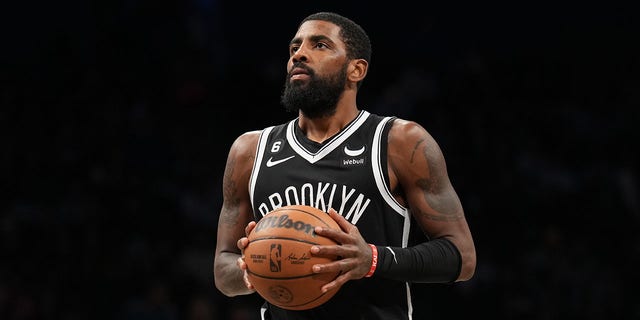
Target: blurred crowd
[116,124]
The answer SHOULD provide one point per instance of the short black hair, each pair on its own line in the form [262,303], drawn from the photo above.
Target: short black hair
[353,35]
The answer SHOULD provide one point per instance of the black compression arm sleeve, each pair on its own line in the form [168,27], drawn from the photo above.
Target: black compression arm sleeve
[436,261]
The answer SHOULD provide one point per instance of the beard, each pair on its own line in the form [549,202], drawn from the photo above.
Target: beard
[318,97]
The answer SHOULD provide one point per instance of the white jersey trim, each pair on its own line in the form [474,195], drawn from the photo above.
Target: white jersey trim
[262,142]
[409,304]
[327,148]
[378,172]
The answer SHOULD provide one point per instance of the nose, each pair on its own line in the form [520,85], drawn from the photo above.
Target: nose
[300,55]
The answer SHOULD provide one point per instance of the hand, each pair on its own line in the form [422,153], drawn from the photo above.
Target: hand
[354,251]
[243,243]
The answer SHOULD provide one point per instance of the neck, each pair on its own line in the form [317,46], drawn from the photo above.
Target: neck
[320,129]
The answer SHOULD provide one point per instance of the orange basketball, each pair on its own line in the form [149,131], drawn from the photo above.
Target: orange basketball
[279,261]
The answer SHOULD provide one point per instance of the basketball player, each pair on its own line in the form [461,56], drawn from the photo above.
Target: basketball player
[383,179]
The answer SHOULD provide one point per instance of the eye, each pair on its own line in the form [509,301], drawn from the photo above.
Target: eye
[293,49]
[321,45]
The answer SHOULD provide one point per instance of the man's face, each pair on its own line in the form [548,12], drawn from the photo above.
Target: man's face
[316,70]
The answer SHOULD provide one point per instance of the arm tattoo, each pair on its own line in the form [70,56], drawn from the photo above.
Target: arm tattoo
[444,201]
[415,148]
[229,214]
[443,204]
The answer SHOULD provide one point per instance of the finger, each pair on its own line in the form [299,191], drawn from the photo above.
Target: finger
[246,281]
[241,264]
[335,266]
[342,222]
[242,243]
[249,227]
[342,237]
[332,251]
[336,283]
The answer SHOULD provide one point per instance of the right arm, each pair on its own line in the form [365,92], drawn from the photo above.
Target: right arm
[235,215]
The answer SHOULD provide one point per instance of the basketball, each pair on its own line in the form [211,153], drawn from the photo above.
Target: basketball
[279,261]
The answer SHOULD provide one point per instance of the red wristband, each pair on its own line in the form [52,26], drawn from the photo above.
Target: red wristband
[374,260]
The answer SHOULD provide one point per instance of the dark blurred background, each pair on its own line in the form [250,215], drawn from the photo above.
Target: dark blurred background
[116,118]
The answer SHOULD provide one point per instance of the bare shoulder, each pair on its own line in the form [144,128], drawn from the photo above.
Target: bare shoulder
[241,156]
[246,143]
[235,180]
[406,136]
[244,146]
[413,153]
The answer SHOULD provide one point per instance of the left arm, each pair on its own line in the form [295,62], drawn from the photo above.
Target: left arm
[418,169]
[417,165]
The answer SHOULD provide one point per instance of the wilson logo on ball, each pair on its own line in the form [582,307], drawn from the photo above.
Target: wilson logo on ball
[283,221]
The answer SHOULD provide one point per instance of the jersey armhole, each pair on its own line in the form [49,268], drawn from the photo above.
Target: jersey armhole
[257,162]
[379,165]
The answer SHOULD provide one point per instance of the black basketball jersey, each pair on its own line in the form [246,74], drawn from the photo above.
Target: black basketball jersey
[348,172]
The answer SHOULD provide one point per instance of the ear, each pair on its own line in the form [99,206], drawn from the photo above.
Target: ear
[357,70]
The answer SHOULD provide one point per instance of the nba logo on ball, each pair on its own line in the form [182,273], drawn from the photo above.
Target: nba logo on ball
[274,258]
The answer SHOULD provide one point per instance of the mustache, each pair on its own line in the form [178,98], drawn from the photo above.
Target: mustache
[301,65]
